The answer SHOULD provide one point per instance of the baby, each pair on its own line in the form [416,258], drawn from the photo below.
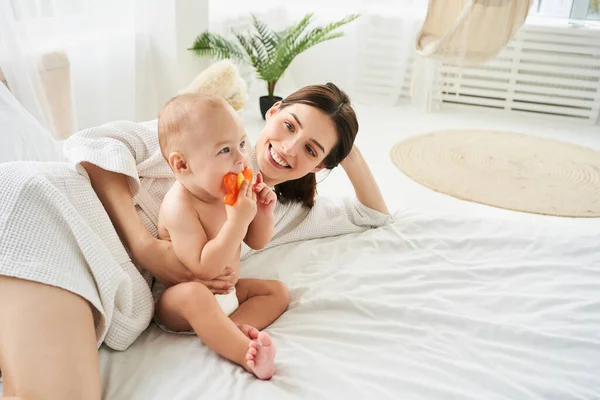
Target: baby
[202,138]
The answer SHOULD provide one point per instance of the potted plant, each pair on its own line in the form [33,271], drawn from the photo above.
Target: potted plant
[269,52]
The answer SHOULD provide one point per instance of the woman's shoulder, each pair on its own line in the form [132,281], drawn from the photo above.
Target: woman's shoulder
[335,216]
[137,136]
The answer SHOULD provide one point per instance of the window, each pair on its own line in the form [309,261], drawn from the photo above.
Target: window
[571,9]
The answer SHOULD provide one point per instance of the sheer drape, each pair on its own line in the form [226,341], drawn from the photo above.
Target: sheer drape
[22,137]
[77,63]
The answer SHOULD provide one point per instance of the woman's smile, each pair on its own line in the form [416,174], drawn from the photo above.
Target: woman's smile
[276,159]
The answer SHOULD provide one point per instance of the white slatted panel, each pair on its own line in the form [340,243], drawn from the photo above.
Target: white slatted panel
[407,79]
[381,67]
[547,70]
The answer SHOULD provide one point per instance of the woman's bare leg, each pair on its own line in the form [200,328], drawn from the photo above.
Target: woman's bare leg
[47,343]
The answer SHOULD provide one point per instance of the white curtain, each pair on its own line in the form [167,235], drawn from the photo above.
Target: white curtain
[78,63]
[22,137]
[370,62]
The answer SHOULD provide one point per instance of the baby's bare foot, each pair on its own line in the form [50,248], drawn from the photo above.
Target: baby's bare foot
[261,356]
[250,331]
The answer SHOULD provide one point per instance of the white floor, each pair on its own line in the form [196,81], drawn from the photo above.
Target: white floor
[382,127]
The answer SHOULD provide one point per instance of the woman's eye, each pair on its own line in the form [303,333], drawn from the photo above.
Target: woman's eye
[310,151]
[289,126]
[224,150]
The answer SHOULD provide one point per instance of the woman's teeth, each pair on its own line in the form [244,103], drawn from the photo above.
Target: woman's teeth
[278,159]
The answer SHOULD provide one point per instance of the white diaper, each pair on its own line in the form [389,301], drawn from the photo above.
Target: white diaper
[228,303]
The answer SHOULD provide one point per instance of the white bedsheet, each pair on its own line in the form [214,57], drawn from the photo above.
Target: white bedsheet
[431,307]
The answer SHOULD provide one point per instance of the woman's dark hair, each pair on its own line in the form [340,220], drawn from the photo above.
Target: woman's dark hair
[336,104]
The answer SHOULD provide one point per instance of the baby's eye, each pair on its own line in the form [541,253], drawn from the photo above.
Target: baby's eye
[289,126]
[224,150]
[310,151]
[243,144]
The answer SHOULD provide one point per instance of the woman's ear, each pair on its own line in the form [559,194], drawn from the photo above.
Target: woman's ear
[177,163]
[318,168]
[274,108]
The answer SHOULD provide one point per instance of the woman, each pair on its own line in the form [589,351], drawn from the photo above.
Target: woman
[67,283]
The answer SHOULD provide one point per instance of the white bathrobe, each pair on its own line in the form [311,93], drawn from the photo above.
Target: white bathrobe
[54,230]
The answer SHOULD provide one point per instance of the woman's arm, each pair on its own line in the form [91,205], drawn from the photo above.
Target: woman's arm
[366,188]
[295,222]
[154,255]
[119,146]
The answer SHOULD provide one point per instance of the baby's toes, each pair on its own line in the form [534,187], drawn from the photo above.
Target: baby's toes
[251,355]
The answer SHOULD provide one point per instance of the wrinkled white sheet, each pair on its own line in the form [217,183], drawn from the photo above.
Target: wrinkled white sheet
[434,306]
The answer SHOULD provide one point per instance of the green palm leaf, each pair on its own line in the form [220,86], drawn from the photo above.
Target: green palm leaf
[216,46]
[247,46]
[269,38]
[269,52]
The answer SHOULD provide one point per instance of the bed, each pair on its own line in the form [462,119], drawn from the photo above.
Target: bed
[434,306]
[453,300]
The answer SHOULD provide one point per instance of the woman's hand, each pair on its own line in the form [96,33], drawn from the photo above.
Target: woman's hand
[223,283]
[157,257]
[366,188]
[352,157]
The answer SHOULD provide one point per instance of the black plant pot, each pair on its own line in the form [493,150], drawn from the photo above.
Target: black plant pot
[266,103]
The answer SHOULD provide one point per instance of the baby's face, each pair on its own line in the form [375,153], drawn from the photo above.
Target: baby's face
[215,147]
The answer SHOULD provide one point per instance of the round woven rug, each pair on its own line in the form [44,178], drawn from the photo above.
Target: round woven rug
[506,170]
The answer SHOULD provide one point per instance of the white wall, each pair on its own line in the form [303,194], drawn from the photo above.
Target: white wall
[343,60]
[173,27]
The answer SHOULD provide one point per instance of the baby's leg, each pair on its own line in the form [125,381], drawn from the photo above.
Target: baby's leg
[192,305]
[261,302]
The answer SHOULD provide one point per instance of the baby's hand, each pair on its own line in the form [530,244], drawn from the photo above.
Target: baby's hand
[266,197]
[244,209]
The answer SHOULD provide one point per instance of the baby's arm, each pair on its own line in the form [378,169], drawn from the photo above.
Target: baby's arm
[260,230]
[262,226]
[205,258]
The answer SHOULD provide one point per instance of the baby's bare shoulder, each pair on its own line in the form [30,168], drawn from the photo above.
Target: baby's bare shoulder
[178,203]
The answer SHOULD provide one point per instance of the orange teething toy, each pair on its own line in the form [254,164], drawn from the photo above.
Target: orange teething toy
[233,182]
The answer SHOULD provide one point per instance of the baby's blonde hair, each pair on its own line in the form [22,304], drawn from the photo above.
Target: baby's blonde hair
[177,116]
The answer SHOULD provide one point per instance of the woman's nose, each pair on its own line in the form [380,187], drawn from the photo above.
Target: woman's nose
[288,148]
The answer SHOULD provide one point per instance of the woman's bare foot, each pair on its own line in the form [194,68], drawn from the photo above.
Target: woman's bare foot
[260,357]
